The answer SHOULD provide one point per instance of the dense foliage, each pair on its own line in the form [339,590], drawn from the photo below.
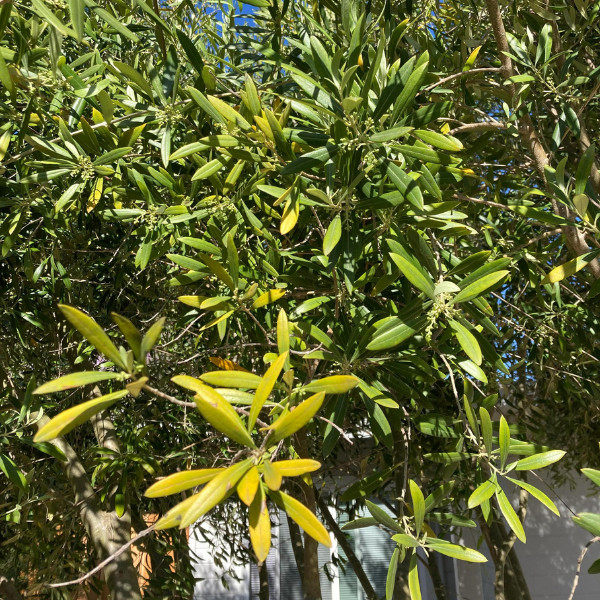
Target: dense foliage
[292,225]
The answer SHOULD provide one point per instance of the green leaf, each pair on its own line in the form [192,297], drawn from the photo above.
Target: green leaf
[482,493]
[179,482]
[417,276]
[383,518]
[536,494]
[390,134]
[77,12]
[410,90]
[467,341]
[396,332]
[390,580]
[594,567]
[47,15]
[592,474]
[335,384]
[405,184]
[418,502]
[93,333]
[504,441]
[539,461]
[151,337]
[10,469]
[73,380]
[264,388]
[67,420]
[222,416]
[584,168]
[405,540]
[332,235]
[413,578]
[130,331]
[509,514]
[112,21]
[454,550]
[359,523]
[486,429]
[479,286]
[438,140]
[298,417]
[589,521]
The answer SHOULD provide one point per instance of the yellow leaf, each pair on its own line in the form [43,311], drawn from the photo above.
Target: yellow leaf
[283,332]
[173,517]
[248,485]
[222,416]
[268,298]
[135,387]
[92,332]
[472,58]
[291,422]
[260,526]
[226,365]
[187,382]
[569,268]
[234,379]
[302,516]
[214,491]
[73,380]
[272,476]
[291,212]
[194,301]
[62,423]
[299,466]
[179,482]
[95,195]
[336,384]
[265,388]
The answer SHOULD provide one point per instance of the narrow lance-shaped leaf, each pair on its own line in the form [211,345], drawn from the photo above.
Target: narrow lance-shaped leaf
[536,493]
[539,461]
[93,333]
[260,525]
[503,441]
[73,380]
[334,384]
[302,516]
[509,514]
[455,551]
[265,388]
[179,482]
[216,490]
[70,418]
[222,416]
[248,486]
[418,502]
[413,578]
[297,418]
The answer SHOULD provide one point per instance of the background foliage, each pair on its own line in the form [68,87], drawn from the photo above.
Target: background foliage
[402,196]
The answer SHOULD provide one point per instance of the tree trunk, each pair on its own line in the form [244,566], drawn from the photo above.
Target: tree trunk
[263,577]
[311,581]
[105,530]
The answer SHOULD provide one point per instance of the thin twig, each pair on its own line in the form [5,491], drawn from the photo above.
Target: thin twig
[461,74]
[106,561]
[579,561]
[171,399]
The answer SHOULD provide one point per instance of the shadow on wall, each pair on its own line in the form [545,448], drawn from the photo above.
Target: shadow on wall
[549,558]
